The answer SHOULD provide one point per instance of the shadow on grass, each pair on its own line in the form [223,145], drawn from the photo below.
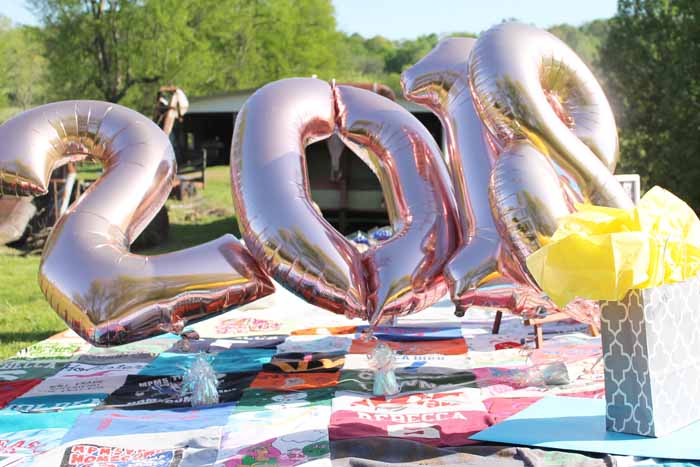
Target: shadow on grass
[188,235]
[26,336]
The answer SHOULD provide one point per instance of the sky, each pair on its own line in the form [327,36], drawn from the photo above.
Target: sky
[17,11]
[407,19]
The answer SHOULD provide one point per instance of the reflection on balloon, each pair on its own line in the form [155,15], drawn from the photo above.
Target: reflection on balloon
[529,85]
[106,294]
[511,185]
[296,245]
[483,271]
[404,273]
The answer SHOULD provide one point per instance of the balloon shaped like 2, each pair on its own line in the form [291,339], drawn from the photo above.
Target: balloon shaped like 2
[296,245]
[106,294]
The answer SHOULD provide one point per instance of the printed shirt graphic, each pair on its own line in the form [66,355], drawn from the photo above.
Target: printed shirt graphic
[258,342]
[440,418]
[27,435]
[92,455]
[442,347]
[82,378]
[159,392]
[283,438]
[11,390]
[315,344]
[227,361]
[427,364]
[261,399]
[53,350]
[406,333]
[114,423]
[305,362]
[295,381]
[14,370]
[227,327]
[363,381]
[55,403]
[78,370]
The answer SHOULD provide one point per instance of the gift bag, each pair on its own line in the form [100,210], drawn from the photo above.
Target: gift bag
[642,265]
[651,351]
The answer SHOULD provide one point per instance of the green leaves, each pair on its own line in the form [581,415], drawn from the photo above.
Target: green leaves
[22,67]
[653,74]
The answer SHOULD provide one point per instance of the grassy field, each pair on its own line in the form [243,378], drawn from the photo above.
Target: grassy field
[26,318]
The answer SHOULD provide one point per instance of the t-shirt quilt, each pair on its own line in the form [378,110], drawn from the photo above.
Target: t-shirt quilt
[287,391]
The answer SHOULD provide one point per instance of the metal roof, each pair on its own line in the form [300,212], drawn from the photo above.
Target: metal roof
[231,102]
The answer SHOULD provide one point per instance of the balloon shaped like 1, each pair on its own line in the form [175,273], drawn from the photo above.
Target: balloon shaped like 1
[106,294]
[296,245]
[484,271]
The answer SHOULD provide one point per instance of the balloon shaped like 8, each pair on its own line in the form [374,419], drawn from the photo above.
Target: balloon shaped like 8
[106,294]
[510,189]
[527,84]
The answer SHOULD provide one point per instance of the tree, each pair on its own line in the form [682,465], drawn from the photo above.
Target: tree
[22,68]
[585,40]
[121,50]
[105,49]
[408,52]
[652,69]
[280,39]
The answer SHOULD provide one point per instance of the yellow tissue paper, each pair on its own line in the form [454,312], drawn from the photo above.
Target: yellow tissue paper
[601,253]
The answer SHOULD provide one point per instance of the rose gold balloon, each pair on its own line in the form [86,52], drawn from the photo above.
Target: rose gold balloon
[509,199]
[105,293]
[483,271]
[404,273]
[290,240]
[296,245]
[529,85]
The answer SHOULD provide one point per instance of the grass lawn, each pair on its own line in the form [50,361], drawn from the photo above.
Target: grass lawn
[26,318]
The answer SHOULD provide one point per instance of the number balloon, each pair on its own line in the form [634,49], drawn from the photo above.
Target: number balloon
[295,245]
[105,293]
[529,85]
[536,97]
[510,194]
[483,271]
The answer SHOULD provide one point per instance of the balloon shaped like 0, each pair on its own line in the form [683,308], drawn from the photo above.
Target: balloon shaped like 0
[295,245]
[106,294]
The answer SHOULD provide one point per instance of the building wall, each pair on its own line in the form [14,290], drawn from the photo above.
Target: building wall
[354,202]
